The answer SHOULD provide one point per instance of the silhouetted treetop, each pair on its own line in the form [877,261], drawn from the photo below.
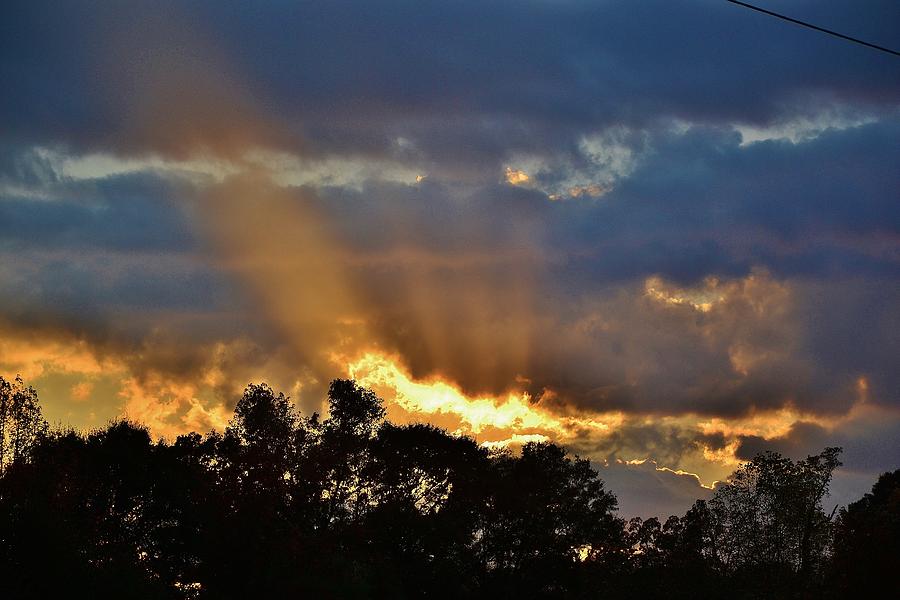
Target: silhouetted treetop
[263,419]
[353,410]
[353,506]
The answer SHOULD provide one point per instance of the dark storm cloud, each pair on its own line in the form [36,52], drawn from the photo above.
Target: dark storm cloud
[553,67]
[92,246]
[702,203]
[127,213]
[869,441]
[451,77]
[129,78]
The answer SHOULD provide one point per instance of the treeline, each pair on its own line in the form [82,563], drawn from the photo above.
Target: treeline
[281,505]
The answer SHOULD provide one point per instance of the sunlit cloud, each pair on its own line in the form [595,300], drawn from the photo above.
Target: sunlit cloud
[701,299]
[169,409]
[82,390]
[513,419]
[601,160]
[34,355]
[515,412]
[517,176]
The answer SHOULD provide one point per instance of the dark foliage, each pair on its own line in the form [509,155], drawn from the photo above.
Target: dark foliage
[352,506]
[867,542]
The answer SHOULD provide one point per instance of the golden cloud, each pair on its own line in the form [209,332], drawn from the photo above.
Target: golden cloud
[516,176]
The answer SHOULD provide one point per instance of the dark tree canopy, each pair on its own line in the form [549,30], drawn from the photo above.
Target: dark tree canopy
[867,541]
[353,506]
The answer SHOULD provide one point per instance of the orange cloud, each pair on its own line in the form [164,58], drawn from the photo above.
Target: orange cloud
[516,176]
[170,409]
[513,413]
[82,390]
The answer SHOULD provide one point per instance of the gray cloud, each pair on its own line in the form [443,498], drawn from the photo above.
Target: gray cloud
[643,491]
[350,76]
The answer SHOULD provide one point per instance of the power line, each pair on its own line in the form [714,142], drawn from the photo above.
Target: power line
[816,27]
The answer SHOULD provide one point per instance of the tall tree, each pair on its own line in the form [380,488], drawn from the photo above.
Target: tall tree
[548,521]
[21,421]
[263,426]
[767,522]
[344,454]
[867,542]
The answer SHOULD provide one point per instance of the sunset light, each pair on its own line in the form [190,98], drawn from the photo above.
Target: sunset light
[520,298]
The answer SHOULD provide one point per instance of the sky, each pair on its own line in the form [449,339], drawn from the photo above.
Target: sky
[663,233]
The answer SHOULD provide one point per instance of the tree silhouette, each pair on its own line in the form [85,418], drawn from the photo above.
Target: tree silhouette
[353,506]
[667,560]
[766,525]
[429,495]
[91,514]
[547,517]
[21,421]
[867,542]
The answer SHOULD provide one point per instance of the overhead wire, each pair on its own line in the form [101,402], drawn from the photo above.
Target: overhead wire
[815,27]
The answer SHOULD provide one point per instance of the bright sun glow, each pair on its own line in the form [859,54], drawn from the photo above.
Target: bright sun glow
[514,418]
[513,414]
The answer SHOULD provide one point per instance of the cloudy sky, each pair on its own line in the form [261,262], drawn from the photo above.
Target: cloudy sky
[665,233]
